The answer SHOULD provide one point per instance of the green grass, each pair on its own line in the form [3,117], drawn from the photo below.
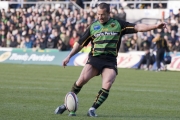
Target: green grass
[32,92]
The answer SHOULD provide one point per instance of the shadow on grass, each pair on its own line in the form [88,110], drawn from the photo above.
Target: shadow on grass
[140,117]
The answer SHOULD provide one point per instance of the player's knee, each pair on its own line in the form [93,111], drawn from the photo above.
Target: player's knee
[82,80]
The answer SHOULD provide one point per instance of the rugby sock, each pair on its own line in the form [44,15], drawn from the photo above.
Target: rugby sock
[101,97]
[76,89]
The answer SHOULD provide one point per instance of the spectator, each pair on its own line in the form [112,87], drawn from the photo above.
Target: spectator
[176,47]
[13,42]
[173,37]
[3,34]
[31,35]
[78,28]
[171,15]
[166,33]
[8,14]
[92,15]
[170,46]
[73,39]
[122,14]
[71,19]
[125,44]
[18,39]
[67,39]
[84,18]
[42,43]
[178,16]
[22,45]
[161,45]
[145,44]
[115,14]
[89,20]
[133,46]
[2,39]
[50,43]
[28,43]
[78,19]
[59,11]
[36,44]
[42,23]
[61,46]
[8,39]
[148,60]
[174,25]
[56,38]
[149,36]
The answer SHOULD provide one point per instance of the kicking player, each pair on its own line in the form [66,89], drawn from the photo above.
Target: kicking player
[105,36]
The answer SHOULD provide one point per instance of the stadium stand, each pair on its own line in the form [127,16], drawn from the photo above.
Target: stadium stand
[60,27]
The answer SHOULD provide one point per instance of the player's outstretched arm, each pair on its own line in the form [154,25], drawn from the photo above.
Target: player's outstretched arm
[144,27]
[77,47]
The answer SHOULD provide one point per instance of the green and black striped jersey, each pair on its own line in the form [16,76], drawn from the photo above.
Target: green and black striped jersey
[106,38]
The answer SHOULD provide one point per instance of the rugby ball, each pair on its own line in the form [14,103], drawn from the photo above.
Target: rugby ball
[71,102]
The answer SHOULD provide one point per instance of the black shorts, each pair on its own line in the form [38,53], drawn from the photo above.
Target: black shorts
[101,62]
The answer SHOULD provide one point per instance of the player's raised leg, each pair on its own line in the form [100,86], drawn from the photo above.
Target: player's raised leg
[108,77]
[87,73]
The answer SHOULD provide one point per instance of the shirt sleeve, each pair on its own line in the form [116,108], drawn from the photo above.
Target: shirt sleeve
[126,27]
[85,38]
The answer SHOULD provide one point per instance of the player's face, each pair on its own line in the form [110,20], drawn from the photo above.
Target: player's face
[102,15]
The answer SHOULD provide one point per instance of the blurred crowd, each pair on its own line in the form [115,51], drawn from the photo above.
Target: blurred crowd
[93,3]
[143,40]
[43,28]
[60,28]
[147,5]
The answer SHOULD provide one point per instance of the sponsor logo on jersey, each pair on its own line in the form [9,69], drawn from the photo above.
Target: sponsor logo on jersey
[105,29]
[113,24]
[106,33]
[97,27]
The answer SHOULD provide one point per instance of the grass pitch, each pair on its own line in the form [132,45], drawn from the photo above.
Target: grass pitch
[32,92]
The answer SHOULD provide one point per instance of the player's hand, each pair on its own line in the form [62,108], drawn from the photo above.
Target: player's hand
[65,61]
[161,25]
